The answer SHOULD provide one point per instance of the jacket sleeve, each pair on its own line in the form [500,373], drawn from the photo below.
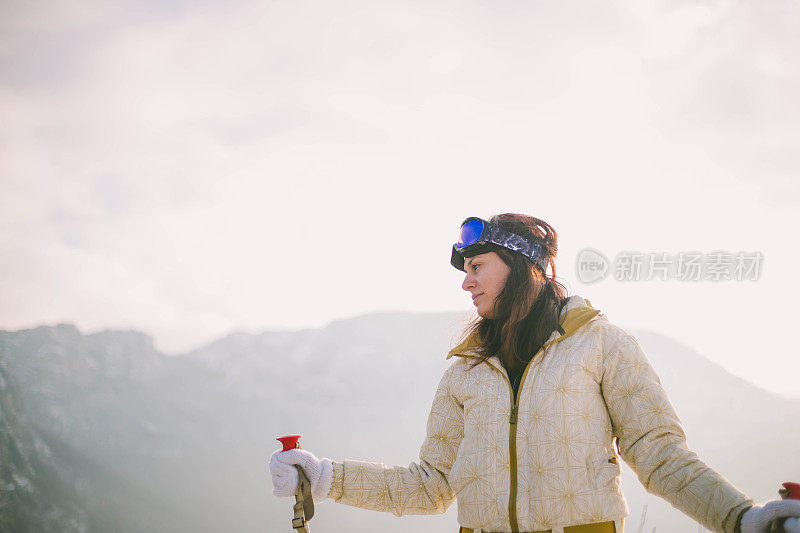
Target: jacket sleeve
[420,488]
[652,441]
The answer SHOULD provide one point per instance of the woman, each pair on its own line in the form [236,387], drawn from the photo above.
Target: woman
[523,422]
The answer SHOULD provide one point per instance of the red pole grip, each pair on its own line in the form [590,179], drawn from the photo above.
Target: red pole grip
[289,442]
[790,491]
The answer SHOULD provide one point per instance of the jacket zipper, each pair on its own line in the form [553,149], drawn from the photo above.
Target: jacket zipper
[512,437]
[512,448]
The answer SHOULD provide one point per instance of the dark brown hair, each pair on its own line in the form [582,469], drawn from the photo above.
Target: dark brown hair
[524,317]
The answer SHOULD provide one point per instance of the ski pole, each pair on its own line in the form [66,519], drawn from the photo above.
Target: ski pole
[790,491]
[304,504]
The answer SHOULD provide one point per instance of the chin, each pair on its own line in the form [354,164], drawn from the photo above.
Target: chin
[485,314]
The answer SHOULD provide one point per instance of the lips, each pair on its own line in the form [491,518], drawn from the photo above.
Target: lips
[476,297]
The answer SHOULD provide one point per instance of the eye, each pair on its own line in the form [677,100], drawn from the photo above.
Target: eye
[475,266]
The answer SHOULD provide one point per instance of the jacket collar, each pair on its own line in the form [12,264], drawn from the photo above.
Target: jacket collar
[575,313]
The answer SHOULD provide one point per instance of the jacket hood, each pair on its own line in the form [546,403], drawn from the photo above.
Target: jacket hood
[575,313]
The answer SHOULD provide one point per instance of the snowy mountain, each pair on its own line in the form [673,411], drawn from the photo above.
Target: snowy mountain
[33,495]
[102,432]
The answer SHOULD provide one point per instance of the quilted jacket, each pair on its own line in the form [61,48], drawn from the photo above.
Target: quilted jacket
[545,459]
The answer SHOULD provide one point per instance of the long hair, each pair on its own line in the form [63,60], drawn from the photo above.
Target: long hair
[528,306]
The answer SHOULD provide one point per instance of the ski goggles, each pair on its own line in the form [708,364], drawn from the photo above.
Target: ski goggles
[477,234]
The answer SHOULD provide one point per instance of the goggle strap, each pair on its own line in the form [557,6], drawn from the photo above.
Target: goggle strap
[530,249]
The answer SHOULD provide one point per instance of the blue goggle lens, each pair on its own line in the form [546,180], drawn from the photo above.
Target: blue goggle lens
[471,231]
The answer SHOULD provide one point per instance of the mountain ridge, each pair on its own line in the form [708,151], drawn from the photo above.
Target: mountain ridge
[175,427]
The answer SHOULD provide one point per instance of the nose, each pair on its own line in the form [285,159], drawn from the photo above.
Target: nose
[469,282]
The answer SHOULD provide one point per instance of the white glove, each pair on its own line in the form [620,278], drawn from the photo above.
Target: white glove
[758,519]
[286,481]
[792,525]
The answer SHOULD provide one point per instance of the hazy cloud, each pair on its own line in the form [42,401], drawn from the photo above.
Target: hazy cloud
[191,168]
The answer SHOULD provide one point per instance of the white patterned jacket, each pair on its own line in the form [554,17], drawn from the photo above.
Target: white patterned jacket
[545,460]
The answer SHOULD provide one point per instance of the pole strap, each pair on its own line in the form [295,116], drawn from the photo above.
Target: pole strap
[304,504]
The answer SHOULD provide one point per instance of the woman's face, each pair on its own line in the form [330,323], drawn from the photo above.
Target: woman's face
[486,277]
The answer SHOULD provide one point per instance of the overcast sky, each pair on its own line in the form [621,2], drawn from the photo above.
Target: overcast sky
[192,168]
